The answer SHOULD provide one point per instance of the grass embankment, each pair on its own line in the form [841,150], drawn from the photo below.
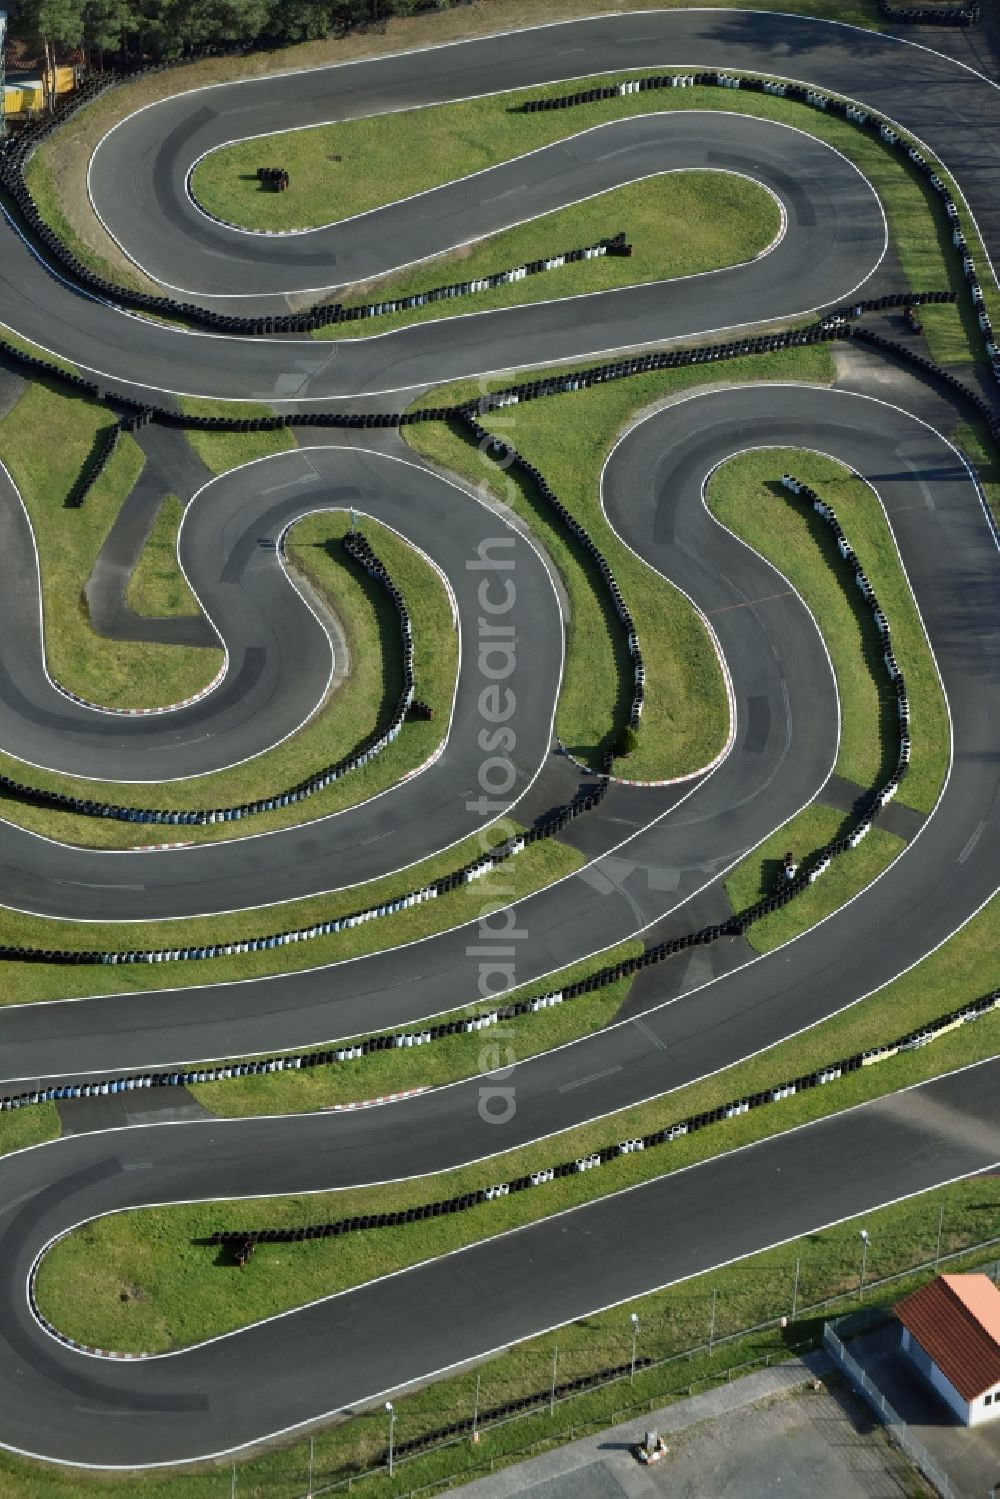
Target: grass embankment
[568,437]
[419,149]
[747,496]
[46,441]
[538,865]
[47,185]
[750,1291]
[221,451]
[679,224]
[362,701]
[157,587]
[185,1296]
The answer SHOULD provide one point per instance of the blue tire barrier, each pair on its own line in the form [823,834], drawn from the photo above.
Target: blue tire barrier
[238,1240]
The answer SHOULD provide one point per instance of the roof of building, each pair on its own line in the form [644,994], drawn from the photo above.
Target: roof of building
[956,1320]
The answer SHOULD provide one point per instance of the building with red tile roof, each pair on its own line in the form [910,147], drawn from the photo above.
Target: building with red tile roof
[951,1331]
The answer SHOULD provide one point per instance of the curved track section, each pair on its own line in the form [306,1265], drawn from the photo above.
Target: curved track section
[649,851]
[835,239]
[138,178]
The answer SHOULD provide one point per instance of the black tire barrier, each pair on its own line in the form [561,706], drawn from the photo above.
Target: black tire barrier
[239,1239]
[276,178]
[327,315]
[946,378]
[864,118]
[50,371]
[510,457]
[358,549]
[886,792]
[139,413]
[929,15]
[588,798]
[92,472]
[833,326]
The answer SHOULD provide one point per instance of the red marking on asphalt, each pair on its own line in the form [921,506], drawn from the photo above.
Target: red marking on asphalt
[726,607]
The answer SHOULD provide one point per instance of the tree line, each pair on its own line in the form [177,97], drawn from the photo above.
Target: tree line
[111,31]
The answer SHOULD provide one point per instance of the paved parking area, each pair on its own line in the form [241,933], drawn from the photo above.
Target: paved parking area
[970,1459]
[766,1435]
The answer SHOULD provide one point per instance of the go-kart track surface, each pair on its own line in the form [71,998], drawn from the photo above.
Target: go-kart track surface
[650,850]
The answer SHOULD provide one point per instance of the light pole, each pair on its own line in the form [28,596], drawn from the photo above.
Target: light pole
[634,1319]
[392,1418]
[711,1329]
[475,1413]
[864,1260]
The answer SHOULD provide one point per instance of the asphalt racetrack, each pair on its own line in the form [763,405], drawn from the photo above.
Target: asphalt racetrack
[652,853]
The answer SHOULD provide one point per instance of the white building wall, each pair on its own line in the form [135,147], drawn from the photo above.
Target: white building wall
[939,1381]
[980,1412]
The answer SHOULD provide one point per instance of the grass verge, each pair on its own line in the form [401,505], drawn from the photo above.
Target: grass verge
[221,451]
[974,441]
[443,143]
[442,1061]
[412,151]
[371,629]
[538,865]
[9,336]
[185,1296]
[58,171]
[157,586]
[28,1127]
[760,873]
[746,495]
[679,224]
[46,440]
[674,1325]
[569,437]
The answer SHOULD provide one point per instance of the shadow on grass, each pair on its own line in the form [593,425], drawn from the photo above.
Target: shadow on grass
[387,623]
[872,651]
[81,484]
[534,508]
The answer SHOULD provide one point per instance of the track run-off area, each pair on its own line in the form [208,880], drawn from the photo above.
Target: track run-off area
[654,857]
